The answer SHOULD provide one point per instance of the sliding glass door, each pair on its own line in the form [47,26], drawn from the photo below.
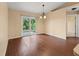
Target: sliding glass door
[29,26]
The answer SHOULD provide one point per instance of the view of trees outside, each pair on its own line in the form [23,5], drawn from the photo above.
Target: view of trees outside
[26,24]
[33,25]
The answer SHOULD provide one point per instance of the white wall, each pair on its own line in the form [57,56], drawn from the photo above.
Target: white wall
[3,28]
[15,25]
[40,26]
[56,23]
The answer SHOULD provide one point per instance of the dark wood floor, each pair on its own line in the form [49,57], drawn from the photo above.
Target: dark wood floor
[41,45]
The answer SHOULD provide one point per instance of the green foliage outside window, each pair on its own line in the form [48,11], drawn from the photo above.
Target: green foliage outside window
[33,24]
[26,24]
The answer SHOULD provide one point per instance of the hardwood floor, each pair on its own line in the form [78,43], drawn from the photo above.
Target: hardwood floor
[41,45]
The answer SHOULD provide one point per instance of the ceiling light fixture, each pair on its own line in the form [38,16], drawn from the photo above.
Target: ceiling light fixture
[43,16]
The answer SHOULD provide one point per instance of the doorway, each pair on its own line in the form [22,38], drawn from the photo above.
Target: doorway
[71,25]
[28,26]
[72,21]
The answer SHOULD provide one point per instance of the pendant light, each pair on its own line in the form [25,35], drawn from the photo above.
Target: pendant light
[43,16]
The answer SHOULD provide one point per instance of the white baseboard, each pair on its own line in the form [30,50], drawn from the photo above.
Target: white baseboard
[14,37]
[57,36]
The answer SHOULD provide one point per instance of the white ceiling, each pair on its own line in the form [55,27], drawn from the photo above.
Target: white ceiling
[34,7]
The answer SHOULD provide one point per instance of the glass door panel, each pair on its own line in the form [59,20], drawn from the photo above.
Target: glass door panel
[26,24]
[29,26]
[33,25]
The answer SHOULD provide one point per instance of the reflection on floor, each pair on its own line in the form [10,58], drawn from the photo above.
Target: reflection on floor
[40,45]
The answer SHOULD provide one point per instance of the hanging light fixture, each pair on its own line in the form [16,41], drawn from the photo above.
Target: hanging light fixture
[43,16]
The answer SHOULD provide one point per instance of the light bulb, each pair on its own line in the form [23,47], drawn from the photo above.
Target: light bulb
[40,17]
[44,17]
